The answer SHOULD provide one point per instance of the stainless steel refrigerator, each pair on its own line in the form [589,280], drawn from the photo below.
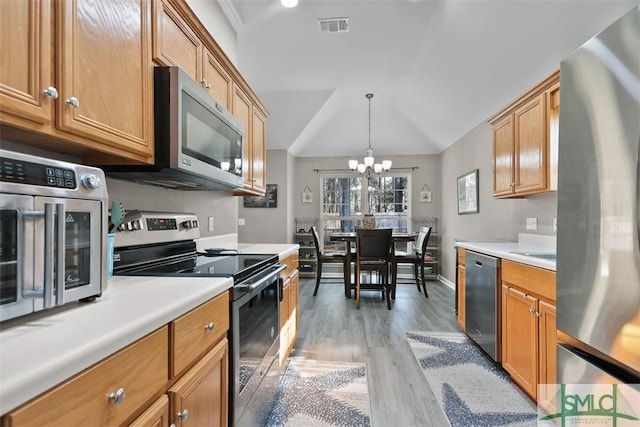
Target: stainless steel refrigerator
[598,238]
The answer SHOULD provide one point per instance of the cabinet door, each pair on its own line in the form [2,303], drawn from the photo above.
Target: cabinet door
[94,37]
[520,338]
[216,80]
[157,415]
[26,37]
[174,43]
[258,151]
[530,146]
[200,397]
[503,157]
[547,346]
[242,112]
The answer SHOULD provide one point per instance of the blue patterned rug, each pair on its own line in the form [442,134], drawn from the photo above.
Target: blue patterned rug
[470,388]
[314,393]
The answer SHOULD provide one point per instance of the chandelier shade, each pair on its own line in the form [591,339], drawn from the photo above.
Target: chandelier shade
[369,167]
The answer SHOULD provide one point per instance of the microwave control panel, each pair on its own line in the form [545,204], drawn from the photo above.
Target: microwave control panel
[23,172]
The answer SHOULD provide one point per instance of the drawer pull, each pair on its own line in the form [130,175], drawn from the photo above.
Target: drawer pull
[209,326]
[183,415]
[118,396]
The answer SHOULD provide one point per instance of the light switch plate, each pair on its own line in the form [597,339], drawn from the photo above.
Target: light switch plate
[555,223]
[532,223]
[240,221]
[210,223]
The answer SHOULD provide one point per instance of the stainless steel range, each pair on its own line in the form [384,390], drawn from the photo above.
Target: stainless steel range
[162,244]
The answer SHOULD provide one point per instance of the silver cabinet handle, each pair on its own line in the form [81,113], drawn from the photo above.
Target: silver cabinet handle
[532,311]
[118,396]
[50,92]
[204,84]
[209,326]
[73,102]
[183,415]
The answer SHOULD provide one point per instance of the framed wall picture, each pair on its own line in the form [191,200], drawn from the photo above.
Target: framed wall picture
[307,195]
[269,200]
[468,193]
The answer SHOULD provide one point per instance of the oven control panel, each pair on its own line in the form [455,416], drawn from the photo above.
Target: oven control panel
[22,172]
[158,227]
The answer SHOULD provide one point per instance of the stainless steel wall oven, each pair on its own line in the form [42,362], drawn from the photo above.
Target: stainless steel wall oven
[52,233]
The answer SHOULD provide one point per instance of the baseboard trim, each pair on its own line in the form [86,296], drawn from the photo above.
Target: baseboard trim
[447,282]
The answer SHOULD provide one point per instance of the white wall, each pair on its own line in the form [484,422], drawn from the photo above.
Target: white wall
[498,218]
[221,205]
[269,225]
[214,20]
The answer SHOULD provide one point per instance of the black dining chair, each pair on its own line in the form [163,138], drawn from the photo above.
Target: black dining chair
[327,258]
[416,258]
[373,253]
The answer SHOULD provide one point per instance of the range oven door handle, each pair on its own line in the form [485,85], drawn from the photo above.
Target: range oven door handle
[257,285]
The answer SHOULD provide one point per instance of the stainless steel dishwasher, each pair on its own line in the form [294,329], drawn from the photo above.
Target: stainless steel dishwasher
[482,295]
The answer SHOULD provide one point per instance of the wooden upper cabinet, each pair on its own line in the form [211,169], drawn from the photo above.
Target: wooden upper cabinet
[174,42]
[259,151]
[242,111]
[98,40]
[26,38]
[525,138]
[503,157]
[217,81]
[101,100]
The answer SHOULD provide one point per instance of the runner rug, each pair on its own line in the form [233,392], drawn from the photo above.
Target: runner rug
[314,393]
[470,388]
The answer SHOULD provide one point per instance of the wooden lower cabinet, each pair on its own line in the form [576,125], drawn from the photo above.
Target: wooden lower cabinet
[157,415]
[134,386]
[289,316]
[461,286]
[106,394]
[528,326]
[199,398]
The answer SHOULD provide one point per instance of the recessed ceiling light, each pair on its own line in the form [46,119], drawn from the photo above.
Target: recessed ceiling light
[289,3]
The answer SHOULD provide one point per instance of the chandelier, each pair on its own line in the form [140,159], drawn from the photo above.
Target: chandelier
[369,167]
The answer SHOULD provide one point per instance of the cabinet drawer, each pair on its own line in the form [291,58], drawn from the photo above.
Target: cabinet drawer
[291,262]
[140,369]
[191,334]
[534,280]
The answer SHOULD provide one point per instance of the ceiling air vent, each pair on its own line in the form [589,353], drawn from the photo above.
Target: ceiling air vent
[333,25]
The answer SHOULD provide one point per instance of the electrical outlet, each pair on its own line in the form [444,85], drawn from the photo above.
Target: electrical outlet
[532,223]
[210,223]
[240,221]
[555,223]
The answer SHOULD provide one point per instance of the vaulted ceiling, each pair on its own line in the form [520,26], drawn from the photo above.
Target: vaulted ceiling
[437,68]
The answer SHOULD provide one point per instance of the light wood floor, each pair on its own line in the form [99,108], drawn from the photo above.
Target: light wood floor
[331,329]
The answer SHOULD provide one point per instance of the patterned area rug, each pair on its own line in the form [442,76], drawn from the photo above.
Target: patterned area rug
[315,394]
[471,389]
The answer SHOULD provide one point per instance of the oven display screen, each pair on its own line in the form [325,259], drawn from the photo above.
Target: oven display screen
[160,224]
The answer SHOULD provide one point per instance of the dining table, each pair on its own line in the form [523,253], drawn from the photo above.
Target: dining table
[349,238]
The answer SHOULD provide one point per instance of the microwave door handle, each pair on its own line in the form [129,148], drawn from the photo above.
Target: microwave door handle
[49,234]
[53,262]
[61,244]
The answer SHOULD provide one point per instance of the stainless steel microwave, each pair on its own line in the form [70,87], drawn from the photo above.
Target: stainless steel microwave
[52,233]
[198,143]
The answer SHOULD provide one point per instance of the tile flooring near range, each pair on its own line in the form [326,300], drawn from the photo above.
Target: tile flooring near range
[332,330]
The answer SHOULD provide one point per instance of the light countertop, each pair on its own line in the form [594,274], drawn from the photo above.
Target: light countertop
[526,243]
[43,349]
